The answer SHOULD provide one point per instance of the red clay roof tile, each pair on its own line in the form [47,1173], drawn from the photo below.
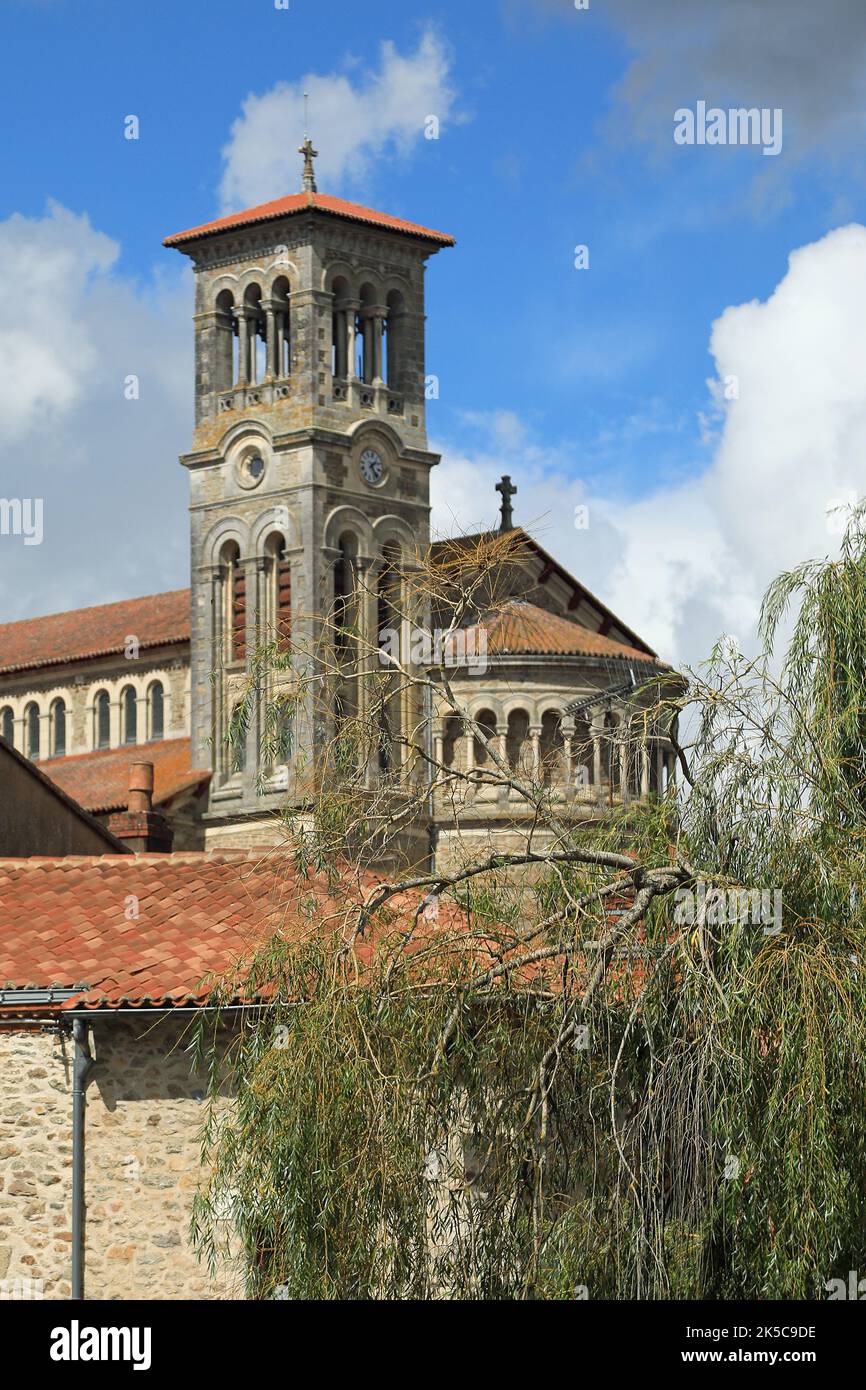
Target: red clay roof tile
[519,628]
[303,202]
[157,620]
[100,781]
[199,914]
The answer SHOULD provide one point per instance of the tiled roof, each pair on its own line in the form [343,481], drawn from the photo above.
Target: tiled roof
[157,620]
[302,202]
[521,545]
[100,781]
[64,922]
[67,922]
[519,628]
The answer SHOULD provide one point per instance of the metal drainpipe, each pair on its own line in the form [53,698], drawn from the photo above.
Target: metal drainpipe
[82,1065]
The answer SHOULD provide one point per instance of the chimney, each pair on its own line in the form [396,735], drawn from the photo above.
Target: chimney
[144,830]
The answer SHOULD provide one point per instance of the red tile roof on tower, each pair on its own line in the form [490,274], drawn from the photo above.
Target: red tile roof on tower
[520,628]
[304,202]
[100,781]
[84,633]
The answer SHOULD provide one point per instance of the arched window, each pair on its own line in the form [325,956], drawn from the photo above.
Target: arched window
[340,329]
[279,600]
[394,339]
[345,626]
[370,346]
[238,739]
[282,360]
[58,728]
[582,760]
[226,341]
[451,734]
[283,730]
[487,722]
[235,613]
[344,593]
[252,362]
[7,724]
[129,708]
[516,739]
[551,747]
[31,728]
[101,720]
[389,625]
[155,710]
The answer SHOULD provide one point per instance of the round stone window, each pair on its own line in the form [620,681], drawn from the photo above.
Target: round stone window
[251,468]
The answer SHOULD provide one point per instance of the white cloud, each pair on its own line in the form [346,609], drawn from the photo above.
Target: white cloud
[691,561]
[114,496]
[46,351]
[352,120]
[777,53]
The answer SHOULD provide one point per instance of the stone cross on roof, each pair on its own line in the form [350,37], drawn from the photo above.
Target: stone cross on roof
[309,172]
[508,490]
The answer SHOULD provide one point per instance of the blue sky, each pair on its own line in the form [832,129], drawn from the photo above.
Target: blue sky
[556,130]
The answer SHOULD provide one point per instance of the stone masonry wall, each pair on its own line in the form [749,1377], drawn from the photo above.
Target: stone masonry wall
[144,1114]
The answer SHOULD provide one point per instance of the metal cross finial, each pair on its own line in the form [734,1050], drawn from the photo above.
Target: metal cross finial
[508,491]
[309,155]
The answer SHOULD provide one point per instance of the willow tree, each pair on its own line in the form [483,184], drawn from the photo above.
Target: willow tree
[629,1064]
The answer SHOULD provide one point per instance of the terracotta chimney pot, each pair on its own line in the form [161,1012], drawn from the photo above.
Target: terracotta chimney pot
[141,787]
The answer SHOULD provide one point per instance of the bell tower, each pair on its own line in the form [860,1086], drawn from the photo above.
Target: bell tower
[309,465]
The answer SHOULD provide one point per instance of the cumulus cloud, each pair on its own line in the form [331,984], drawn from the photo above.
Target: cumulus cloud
[690,562]
[75,333]
[46,353]
[807,58]
[354,120]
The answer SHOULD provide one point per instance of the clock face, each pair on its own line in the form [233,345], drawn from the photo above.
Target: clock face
[371,466]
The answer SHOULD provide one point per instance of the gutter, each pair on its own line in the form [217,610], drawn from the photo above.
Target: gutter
[82,1066]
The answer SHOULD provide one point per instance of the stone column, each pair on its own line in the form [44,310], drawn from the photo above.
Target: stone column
[254,325]
[623,764]
[378,330]
[270,308]
[644,771]
[114,717]
[395,322]
[535,745]
[352,306]
[469,751]
[438,748]
[596,729]
[566,778]
[243,348]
